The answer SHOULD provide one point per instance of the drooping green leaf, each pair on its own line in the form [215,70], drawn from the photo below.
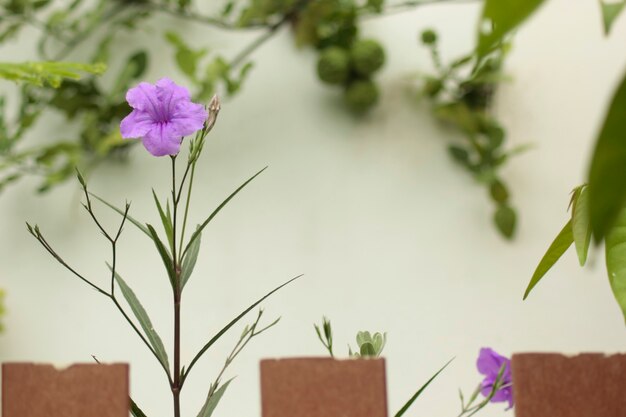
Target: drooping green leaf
[580,223]
[189,261]
[505,219]
[135,222]
[213,400]
[51,73]
[616,260]
[217,210]
[607,188]
[408,404]
[167,223]
[135,410]
[499,18]
[561,243]
[165,256]
[234,321]
[610,12]
[143,318]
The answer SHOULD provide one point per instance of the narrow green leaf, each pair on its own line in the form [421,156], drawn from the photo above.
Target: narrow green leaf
[135,410]
[234,321]
[213,400]
[561,243]
[121,213]
[143,318]
[580,223]
[419,391]
[610,12]
[616,260]
[167,224]
[218,209]
[165,256]
[499,18]
[607,188]
[189,261]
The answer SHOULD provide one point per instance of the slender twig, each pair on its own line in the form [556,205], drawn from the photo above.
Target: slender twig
[248,334]
[198,18]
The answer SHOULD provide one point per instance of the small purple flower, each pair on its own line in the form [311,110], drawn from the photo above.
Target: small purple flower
[162,115]
[489,364]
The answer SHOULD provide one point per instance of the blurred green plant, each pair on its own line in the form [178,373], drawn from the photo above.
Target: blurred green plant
[599,206]
[461,94]
[94,107]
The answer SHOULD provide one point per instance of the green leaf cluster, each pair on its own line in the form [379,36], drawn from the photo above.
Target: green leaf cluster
[461,94]
[370,345]
[345,60]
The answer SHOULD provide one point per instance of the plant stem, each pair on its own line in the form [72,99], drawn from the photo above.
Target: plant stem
[176,386]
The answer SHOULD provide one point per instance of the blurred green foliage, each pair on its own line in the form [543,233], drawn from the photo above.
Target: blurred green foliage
[461,94]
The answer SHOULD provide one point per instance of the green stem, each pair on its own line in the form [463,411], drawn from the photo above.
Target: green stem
[182,234]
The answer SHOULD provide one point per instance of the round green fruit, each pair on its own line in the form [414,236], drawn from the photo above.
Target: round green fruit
[361,95]
[367,56]
[333,66]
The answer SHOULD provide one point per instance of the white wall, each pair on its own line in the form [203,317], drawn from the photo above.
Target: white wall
[390,233]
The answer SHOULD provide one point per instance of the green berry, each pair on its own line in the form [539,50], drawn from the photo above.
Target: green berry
[367,56]
[361,95]
[429,37]
[333,66]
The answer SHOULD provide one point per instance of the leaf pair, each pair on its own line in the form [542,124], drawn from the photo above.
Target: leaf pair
[578,231]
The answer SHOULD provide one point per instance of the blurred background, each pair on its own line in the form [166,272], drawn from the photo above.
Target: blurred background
[390,233]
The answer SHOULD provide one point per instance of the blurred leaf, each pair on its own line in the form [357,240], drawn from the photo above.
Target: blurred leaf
[135,67]
[499,18]
[367,350]
[607,188]
[51,73]
[189,261]
[186,58]
[505,219]
[561,243]
[459,115]
[213,400]
[408,404]
[616,260]
[610,12]
[580,223]
[143,318]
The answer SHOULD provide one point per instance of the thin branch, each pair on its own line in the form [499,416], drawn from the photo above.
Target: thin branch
[198,18]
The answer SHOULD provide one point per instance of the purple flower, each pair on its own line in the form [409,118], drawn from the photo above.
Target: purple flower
[162,114]
[489,364]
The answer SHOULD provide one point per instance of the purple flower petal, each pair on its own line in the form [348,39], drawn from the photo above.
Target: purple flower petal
[162,114]
[490,363]
[144,97]
[188,118]
[136,124]
[162,140]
